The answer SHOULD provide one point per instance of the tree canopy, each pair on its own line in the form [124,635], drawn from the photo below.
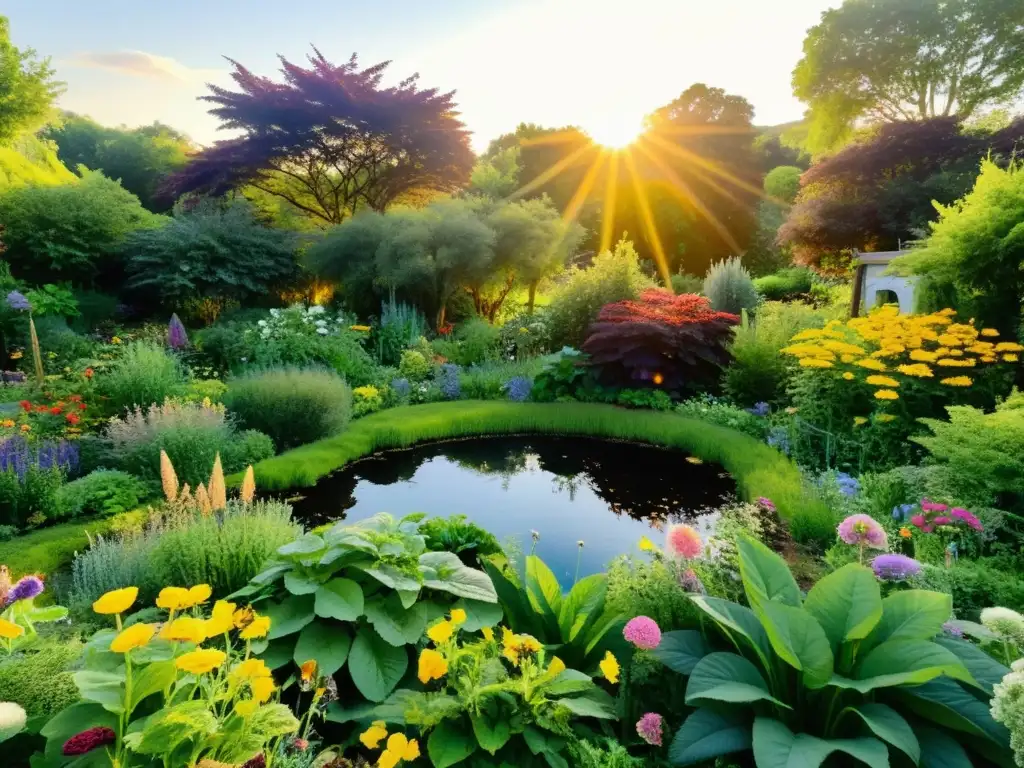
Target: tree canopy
[331,140]
[27,88]
[140,158]
[893,60]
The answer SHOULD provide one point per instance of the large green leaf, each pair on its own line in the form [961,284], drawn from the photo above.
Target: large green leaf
[375,665]
[594,703]
[299,584]
[738,620]
[479,614]
[681,650]
[394,623]
[514,602]
[390,576]
[272,720]
[49,613]
[940,750]
[449,745]
[104,688]
[306,544]
[775,746]
[544,589]
[765,575]
[151,679]
[727,677]
[326,642]
[77,718]
[340,599]
[983,668]
[890,726]
[276,653]
[903,662]
[707,734]
[583,605]
[492,728]
[444,571]
[950,705]
[288,617]
[846,603]
[171,726]
[569,681]
[913,614]
[799,640]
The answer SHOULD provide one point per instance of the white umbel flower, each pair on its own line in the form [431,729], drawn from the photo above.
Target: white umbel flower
[1006,623]
[12,720]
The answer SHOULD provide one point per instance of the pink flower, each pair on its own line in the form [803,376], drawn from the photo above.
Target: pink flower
[649,728]
[863,531]
[918,520]
[684,541]
[964,516]
[942,520]
[643,632]
[931,506]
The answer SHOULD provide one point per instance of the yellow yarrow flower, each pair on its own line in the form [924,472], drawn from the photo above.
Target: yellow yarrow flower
[885,417]
[1011,358]
[813,362]
[200,661]
[952,362]
[882,381]
[886,394]
[116,601]
[135,636]
[990,332]
[849,376]
[922,356]
[958,381]
[441,632]
[920,370]
[1009,346]
[859,420]
[610,667]
[372,736]
[432,666]
[871,364]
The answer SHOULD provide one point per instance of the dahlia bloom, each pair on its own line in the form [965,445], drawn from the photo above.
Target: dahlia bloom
[649,728]
[684,542]
[863,531]
[87,741]
[643,632]
[895,567]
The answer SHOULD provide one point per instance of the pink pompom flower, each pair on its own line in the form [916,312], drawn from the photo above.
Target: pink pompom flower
[863,531]
[649,728]
[643,632]
[684,541]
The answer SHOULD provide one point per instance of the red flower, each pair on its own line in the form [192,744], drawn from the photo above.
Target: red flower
[56,410]
[257,762]
[25,405]
[88,373]
[72,418]
[81,406]
[87,741]
[75,398]
[42,408]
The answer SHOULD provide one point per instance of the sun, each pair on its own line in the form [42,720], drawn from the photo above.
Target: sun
[614,131]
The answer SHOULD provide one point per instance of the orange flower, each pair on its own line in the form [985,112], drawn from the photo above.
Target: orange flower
[905,532]
[308,670]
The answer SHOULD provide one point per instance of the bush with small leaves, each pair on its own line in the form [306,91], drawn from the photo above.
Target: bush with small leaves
[729,287]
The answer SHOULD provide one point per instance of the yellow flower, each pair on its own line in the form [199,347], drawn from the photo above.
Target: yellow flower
[308,670]
[885,417]
[858,420]
[243,617]
[8,422]
[172,598]
[262,688]
[813,362]
[17,355]
[528,644]
[26,427]
[432,666]
[952,362]
[646,545]
[251,669]
[488,633]
[989,332]
[222,619]
[373,735]
[136,636]
[871,364]
[441,632]
[1011,358]
[246,708]
[1009,346]
[886,394]
[257,628]
[201,661]
[199,594]
[458,616]
[958,381]
[556,667]
[919,370]
[610,667]
[9,630]
[882,381]
[405,749]
[848,376]
[949,340]
[116,601]
[185,630]
[361,328]
[116,340]
[388,759]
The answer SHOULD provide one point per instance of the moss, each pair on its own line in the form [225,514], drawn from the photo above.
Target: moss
[759,470]
[40,681]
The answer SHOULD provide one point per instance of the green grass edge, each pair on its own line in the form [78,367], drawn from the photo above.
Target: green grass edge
[759,470]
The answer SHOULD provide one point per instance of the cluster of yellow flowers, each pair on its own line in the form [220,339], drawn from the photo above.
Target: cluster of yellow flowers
[397,748]
[901,346]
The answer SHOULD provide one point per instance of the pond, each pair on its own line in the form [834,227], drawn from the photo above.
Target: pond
[606,494]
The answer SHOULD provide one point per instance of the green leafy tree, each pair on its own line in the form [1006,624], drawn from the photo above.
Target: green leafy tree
[783,183]
[496,175]
[214,252]
[30,160]
[27,88]
[71,232]
[140,158]
[908,60]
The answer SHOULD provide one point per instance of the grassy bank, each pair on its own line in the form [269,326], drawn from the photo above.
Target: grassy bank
[758,469]
[49,549]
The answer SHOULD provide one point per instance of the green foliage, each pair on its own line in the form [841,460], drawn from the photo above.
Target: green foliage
[729,288]
[293,406]
[399,327]
[459,536]
[215,253]
[27,88]
[789,661]
[40,679]
[496,176]
[710,409]
[488,382]
[414,366]
[144,373]
[103,492]
[976,246]
[758,469]
[32,499]
[764,255]
[586,754]
[785,285]
[579,623]
[53,300]
[783,183]
[363,593]
[613,276]
[975,585]
[561,377]
[475,341]
[687,283]
[655,399]
[641,587]
[48,550]
[70,231]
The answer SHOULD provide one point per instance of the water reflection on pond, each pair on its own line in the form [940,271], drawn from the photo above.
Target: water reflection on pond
[606,494]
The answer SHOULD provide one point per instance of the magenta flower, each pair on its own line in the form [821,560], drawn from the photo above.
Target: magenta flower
[177,338]
[964,516]
[767,503]
[643,632]
[684,541]
[895,567]
[87,741]
[649,728]
[931,506]
[942,520]
[863,531]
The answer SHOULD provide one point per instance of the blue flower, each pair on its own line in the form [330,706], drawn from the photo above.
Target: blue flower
[16,300]
[901,512]
[448,380]
[401,388]
[760,409]
[518,388]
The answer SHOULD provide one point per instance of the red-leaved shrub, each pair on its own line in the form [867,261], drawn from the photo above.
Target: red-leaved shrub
[659,340]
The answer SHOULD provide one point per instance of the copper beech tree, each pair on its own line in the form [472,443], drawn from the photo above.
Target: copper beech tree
[330,140]
[659,340]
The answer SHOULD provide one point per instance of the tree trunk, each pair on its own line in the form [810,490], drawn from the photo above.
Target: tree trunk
[441,316]
[532,299]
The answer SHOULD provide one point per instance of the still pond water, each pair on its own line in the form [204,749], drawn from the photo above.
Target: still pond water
[603,493]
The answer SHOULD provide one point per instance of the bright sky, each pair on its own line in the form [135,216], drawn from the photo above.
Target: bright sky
[600,64]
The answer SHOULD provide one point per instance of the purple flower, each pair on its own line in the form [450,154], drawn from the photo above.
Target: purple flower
[643,632]
[766,503]
[17,301]
[518,388]
[760,409]
[863,531]
[26,588]
[952,629]
[895,567]
[448,380]
[176,336]
[649,728]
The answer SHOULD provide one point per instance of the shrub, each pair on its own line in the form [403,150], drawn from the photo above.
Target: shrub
[366,400]
[40,680]
[785,285]
[975,585]
[144,374]
[687,283]
[490,382]
[524,336]
[654,399]
[399,327]
[660,340]
[414,366]
[729,288]
[461,537]
[613,276]
[61,347]
[291,405]
[224,346]
[447,380]
[715,411]
[30,478]
[103,492]
[474,342]
[783,182]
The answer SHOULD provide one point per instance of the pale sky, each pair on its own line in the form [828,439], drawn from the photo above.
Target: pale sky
[599,64]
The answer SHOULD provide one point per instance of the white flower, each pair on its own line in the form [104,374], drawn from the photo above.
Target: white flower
[12,719]
[321,323]
[316,309]
[322,331]
[1006,623]
[262,323]
[275,313]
